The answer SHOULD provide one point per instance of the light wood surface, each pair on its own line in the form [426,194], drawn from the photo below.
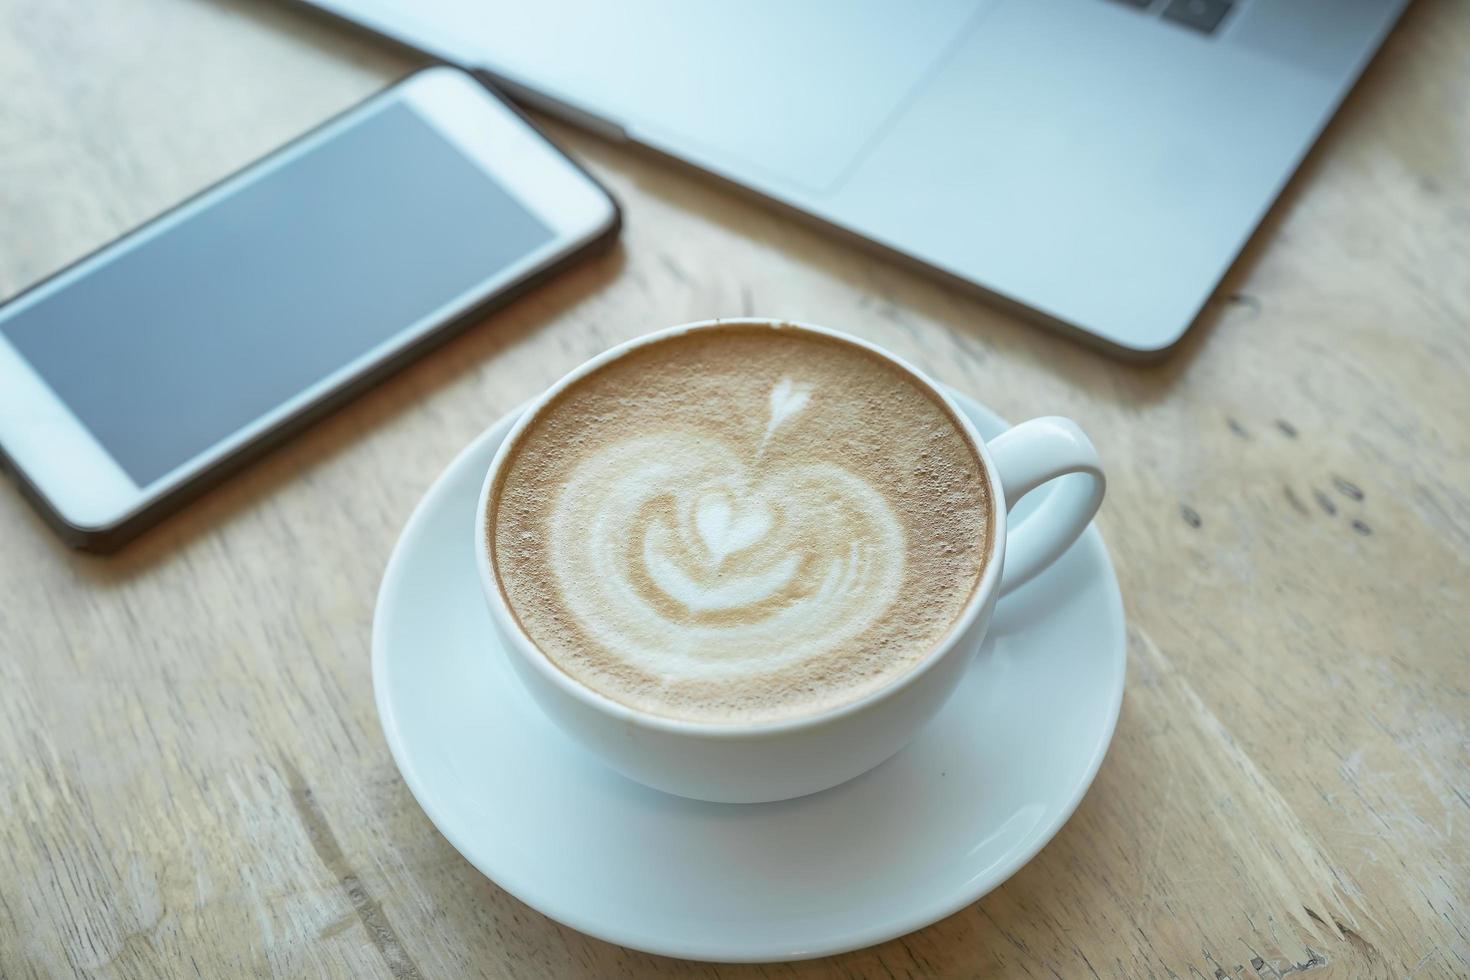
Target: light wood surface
[192,777]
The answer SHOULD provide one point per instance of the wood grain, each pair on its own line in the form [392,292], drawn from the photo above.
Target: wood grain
[192,778]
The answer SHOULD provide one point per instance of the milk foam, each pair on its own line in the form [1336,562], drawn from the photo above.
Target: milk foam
[723,535]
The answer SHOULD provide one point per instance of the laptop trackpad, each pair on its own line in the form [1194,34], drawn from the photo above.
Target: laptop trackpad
[792,90]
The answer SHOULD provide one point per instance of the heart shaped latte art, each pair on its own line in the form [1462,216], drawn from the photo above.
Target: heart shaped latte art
[688,561]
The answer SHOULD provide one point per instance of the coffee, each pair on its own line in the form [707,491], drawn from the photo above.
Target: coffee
[740,523]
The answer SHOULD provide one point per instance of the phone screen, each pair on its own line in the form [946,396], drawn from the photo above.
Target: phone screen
[205,326]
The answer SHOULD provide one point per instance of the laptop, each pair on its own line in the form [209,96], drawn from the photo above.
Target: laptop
[1097,164]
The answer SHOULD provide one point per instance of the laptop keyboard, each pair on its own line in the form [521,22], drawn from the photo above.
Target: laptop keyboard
[1201,15]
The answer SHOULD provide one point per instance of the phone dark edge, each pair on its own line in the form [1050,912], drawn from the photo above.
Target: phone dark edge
[109,539]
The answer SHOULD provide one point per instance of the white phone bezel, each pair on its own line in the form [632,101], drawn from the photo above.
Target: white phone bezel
[87,488]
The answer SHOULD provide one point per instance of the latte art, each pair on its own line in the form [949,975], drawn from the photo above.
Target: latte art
[675,553]
[740,523]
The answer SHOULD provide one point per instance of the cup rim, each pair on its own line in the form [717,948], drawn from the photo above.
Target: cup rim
[526,648]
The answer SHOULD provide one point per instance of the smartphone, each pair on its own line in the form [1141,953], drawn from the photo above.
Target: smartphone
[140,375]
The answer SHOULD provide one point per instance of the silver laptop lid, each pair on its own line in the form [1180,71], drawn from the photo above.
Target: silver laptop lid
[1099,163]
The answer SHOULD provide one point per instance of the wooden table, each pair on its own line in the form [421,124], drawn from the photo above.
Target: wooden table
[192,778]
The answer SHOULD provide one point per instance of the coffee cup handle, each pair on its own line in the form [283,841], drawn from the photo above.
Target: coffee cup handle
[1027,456]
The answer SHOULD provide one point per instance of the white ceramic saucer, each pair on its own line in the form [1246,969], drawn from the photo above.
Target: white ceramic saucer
[972,799]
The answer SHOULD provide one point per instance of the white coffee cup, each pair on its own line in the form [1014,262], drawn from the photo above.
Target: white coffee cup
[777,760]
